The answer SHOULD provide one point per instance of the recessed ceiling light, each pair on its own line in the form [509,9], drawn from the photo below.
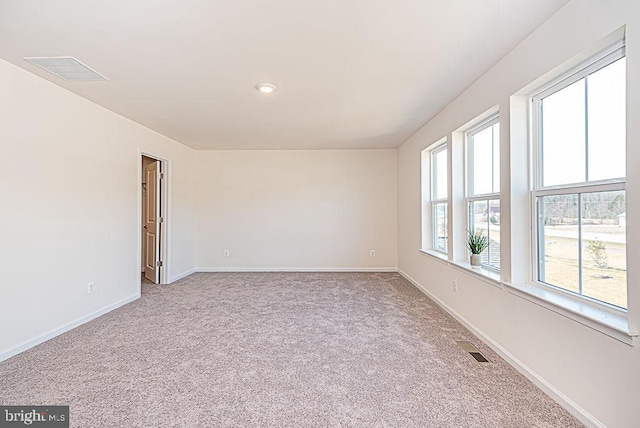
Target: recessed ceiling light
[265,88]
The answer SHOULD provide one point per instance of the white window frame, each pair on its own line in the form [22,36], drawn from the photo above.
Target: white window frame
[605,58]
[433,202]
[469,197]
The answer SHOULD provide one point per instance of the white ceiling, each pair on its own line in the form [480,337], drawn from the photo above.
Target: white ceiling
[350,73]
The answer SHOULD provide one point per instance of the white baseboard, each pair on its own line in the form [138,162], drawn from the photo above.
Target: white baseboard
[568,404]
[296,269]
[182,275]
[4,355]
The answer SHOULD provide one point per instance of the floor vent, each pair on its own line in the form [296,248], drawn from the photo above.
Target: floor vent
[473,351]
[479,357]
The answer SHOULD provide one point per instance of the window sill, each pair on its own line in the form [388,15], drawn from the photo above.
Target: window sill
[436,255]
[486,275]
[610,322]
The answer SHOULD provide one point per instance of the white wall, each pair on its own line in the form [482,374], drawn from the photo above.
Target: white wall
[594,372]
[69,208]
[287,209]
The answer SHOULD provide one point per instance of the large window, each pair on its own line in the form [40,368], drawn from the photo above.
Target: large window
[483,186]
[579,184]
[439,201]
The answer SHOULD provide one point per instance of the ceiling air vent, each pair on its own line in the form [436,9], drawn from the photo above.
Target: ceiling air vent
[66,67]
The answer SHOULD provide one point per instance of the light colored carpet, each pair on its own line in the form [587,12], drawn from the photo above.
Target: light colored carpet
[277,349]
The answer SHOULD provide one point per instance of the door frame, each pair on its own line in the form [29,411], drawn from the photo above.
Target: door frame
[165,207]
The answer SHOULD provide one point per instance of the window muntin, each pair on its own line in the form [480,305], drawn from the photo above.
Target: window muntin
[579,196]
[439,201]
[483,186]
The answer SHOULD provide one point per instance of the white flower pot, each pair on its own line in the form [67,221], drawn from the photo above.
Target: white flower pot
[476,262]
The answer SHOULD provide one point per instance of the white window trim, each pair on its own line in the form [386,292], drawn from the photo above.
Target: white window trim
[598,61]
[468,171]
[610,319]
[537,237]
[440,146]
[557,85]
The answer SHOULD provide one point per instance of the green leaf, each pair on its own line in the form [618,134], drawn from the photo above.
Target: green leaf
[477,242]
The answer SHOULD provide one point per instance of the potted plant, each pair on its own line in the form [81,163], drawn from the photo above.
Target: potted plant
[477,242]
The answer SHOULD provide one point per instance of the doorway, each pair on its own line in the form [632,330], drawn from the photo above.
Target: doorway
[152,220]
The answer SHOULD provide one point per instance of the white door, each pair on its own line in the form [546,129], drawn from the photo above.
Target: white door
[152,223]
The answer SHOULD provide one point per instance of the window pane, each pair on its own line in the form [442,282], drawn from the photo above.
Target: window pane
[604,270]
[485,217]
[440,175]
[558,241]
[496,157]
[478,215]
[494,233]
[482,151]
[440,233]
[607,123]
[563,136]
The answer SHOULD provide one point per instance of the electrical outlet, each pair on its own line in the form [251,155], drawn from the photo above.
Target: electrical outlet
[372,253]
[226,253]
[91,287]
[455,286]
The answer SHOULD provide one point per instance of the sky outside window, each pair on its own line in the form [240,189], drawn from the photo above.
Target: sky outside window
[440,165]
[486,161]
[566,145]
